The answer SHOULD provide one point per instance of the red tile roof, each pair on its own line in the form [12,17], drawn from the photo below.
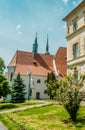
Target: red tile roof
[42,65]
[61,60]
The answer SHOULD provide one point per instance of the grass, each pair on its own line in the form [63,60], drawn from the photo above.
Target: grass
[8,105]
[51,117]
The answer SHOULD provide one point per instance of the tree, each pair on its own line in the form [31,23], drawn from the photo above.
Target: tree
[70,93]
[52,85]
[50,76]
[4,85]
[18,94]
[2,65]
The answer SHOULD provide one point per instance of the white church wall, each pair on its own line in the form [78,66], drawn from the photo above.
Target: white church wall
[36,87]
[39,87]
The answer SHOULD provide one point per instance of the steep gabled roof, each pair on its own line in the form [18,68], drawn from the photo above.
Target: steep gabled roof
[42,65]
[24,61]
[61,60]
[13,61]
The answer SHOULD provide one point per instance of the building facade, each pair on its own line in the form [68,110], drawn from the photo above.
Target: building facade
[75,21]
[34,68]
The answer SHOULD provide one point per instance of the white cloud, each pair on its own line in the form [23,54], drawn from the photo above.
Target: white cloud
[65,1]
[18,26]
[75,3]
[19,29]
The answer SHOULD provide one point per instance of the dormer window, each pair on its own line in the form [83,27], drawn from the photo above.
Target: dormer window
[35,63]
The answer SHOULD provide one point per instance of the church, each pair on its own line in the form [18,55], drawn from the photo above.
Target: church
[34,68]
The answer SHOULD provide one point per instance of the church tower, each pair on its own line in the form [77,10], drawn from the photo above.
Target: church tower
[35,47]
[47,46]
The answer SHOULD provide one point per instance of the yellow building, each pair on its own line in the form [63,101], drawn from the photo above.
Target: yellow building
[75,21]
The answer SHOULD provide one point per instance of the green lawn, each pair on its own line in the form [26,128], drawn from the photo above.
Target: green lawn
[8,105]
[52,117]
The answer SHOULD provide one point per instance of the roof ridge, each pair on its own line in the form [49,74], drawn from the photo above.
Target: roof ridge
[31,53]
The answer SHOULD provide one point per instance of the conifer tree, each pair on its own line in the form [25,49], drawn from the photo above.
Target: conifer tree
[52,85]
[18,94]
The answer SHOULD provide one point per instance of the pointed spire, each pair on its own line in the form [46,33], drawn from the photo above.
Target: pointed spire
[47,46]
[35,47]
[36,40]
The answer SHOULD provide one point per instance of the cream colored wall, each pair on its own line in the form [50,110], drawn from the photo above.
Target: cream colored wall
[79,16]
[77,36]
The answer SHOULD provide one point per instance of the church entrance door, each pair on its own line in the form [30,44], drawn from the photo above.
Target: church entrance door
[37,95]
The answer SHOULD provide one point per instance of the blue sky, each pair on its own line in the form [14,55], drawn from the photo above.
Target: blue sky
[21,19]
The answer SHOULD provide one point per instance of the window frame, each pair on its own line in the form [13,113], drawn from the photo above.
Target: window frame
[75,25]
[75,50]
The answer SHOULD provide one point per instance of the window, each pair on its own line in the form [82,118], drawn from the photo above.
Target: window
[38,81]
[35,63]
[84,46]
[68,30]
[75,50]
[75,26]
[11,76]
[84,18]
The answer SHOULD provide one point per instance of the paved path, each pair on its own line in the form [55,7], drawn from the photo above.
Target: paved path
[2,127]
[24,108]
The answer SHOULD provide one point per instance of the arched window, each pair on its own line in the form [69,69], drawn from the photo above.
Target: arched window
[38,81]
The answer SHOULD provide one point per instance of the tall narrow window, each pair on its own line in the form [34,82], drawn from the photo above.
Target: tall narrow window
[68,30]
[84,45]
[84,19]
[75,50]
[11,76]
[75,26]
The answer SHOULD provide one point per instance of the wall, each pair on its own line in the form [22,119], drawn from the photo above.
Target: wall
[36,87]
[77,36]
